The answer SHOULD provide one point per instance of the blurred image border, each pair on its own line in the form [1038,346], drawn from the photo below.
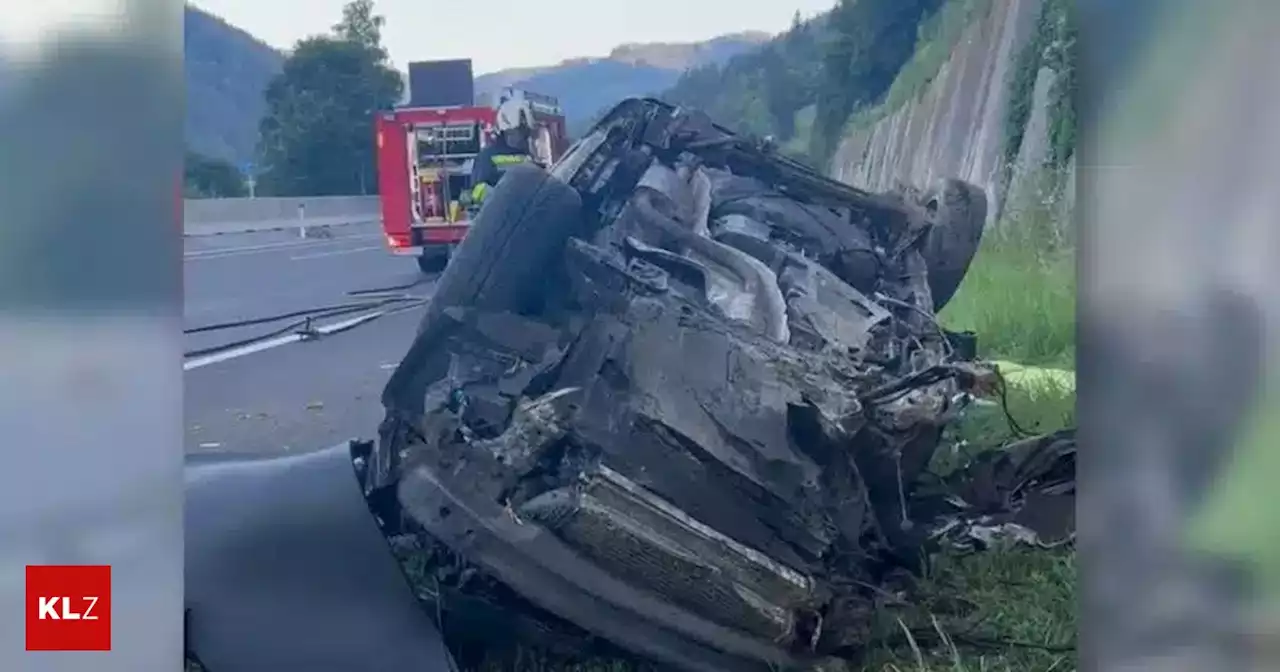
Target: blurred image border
[1177,232]
[90,308]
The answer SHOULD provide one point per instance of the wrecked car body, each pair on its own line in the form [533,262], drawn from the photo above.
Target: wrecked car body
[678,390]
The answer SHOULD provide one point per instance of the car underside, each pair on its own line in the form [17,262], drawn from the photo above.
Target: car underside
[678,390]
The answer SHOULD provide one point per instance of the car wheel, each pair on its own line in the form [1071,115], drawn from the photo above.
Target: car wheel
[501,265]
[518,234]
[433,261]
[958,211]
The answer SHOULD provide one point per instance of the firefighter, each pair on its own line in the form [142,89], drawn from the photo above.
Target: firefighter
[509,147]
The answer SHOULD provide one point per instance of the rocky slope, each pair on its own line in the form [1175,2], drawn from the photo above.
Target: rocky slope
[952,110]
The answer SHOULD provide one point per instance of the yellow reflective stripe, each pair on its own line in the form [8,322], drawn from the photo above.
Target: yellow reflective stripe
[509,159]
[478,191]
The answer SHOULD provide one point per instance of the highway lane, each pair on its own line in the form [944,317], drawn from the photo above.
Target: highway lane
[295,396]
[236,277]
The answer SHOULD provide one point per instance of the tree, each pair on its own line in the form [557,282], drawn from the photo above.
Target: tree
[317,135]
[359,24]
[870,42]
[826,67]
[759,91]
[207,177]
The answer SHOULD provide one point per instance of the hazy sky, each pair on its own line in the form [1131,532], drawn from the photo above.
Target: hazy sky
[500,34]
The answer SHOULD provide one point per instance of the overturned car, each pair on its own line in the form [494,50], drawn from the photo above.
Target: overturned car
[677,390]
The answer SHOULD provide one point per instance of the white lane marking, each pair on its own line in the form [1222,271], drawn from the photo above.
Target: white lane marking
[255,248]
[334,253]
[259,346]
[269,247]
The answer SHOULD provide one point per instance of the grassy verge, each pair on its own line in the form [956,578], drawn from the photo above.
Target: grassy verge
[1003,610]
[1009,609]
[1019,294]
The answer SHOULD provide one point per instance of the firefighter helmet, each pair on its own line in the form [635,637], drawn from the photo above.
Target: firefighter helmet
[512,114]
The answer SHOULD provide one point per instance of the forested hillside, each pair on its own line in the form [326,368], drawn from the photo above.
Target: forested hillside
[909,90]
[761,91]
[227,71]
[802,86]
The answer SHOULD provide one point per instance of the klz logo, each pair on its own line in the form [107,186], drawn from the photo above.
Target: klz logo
[49,609]
[68,607]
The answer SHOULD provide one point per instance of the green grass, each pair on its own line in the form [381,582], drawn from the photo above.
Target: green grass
[1017,604]
[1019,293]
[1043,408]
[1008,609]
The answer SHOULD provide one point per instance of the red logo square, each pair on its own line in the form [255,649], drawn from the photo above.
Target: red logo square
[68,607]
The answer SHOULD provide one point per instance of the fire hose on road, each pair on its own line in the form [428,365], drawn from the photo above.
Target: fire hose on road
[304,324]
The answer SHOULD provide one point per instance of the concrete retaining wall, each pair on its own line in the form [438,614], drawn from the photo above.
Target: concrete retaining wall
[954,126]
[211,216]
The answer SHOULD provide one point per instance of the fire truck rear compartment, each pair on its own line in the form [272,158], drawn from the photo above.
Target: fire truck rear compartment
[426,150]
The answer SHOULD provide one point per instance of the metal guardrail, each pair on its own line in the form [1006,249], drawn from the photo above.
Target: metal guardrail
[215,216]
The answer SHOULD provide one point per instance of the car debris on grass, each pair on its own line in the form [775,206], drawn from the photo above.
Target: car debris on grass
[677,397]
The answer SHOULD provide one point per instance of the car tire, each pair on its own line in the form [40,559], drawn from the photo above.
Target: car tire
[500,266]
[516,236]
[958,211]
[434,261]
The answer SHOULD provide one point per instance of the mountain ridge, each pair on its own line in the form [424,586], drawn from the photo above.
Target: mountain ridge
[585,85]
[227,69]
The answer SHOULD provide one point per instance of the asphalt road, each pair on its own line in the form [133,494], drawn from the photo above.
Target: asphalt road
[293,396]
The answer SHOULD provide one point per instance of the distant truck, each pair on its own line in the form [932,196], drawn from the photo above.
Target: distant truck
[425,151]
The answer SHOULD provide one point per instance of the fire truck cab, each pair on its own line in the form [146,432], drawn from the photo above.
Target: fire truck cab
[425,152]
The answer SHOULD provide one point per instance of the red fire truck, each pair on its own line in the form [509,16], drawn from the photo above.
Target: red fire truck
[425,151]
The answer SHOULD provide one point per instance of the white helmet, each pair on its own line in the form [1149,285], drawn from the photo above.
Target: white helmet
[512,114]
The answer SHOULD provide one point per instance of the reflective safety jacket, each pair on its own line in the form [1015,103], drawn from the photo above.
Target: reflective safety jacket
[490,164]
